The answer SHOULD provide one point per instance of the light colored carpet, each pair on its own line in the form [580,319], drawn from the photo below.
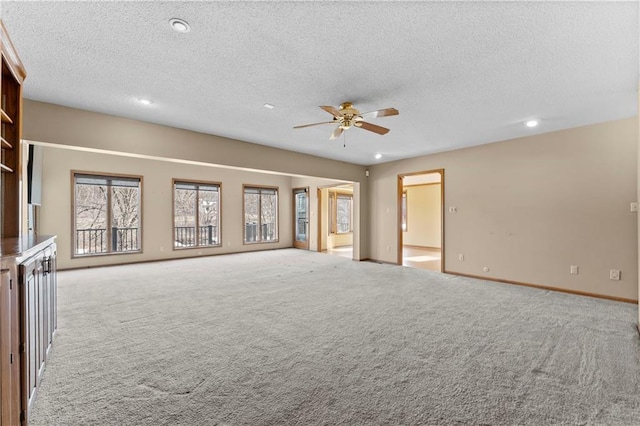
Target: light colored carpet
[291,337]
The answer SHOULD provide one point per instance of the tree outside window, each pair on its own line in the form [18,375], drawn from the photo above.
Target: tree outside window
[196,214]
[106,214]
[260,214]
[340,212]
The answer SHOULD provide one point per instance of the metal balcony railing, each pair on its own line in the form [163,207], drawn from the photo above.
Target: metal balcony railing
[94,240]
[267,233]
[185,236]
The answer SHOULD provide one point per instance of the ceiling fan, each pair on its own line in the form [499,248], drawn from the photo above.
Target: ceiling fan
[346,116]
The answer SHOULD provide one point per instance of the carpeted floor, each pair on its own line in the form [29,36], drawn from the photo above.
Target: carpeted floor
[291,337]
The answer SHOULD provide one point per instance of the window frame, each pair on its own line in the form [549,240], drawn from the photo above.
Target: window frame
[173,213]
[333,211]
[404,222]
[244,225]
[107,176]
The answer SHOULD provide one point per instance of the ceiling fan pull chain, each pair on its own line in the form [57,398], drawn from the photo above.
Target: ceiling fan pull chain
[344,141]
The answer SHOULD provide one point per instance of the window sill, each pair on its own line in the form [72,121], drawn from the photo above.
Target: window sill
[113,253]
[250,243]
[197,247]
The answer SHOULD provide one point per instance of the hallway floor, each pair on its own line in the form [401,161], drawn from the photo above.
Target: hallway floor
[422,258]
[344,251]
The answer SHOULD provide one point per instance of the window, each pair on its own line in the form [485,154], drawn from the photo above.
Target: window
[340,212]
[196,214]
[106,214]
[404,210]
[260,214]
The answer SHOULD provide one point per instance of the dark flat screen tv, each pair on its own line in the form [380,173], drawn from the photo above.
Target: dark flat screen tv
[34,175]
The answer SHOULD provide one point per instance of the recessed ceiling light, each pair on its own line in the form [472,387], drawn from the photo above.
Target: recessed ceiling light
[269,106]
[179,25]
[145,101]
[378,156]
[531,123]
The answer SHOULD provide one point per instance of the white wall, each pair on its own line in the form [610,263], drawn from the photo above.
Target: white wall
[530,208]
[157,243]
[424,211]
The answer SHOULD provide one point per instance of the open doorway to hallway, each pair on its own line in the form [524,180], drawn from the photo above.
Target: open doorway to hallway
[335,220]
[421,230]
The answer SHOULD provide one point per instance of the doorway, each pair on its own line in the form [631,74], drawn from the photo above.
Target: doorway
[421,220]
[301,218]
[336,220]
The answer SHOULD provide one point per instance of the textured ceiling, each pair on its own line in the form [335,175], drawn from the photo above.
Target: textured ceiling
[461,74]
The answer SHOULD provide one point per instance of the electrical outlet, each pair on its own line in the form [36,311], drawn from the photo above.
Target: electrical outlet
[634,206]
[614,274]
[574,270]
[388,248]
[453,209]
[461,257]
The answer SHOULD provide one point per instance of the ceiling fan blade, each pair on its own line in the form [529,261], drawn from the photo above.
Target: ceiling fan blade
[313,124]
[381,113]
[331,110]
[372,127]
[336,133]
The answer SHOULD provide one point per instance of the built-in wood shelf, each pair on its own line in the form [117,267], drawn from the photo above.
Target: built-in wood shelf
[5,143]
[5,117]
[5,169]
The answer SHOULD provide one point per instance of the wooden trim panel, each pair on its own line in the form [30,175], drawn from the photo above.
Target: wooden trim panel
[11,56]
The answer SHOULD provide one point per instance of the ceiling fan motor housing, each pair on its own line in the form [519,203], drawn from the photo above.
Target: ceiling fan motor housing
[349,115]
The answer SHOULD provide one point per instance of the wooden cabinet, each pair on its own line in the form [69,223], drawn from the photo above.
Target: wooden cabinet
[11,79]
[28,321]
[28,286]
[38,294]
[9,347]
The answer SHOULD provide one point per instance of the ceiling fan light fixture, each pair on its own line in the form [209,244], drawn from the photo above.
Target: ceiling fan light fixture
[179,25]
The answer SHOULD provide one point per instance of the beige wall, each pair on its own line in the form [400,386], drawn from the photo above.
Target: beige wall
[157,243]
[529,208]
[424,211]
[71,127]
